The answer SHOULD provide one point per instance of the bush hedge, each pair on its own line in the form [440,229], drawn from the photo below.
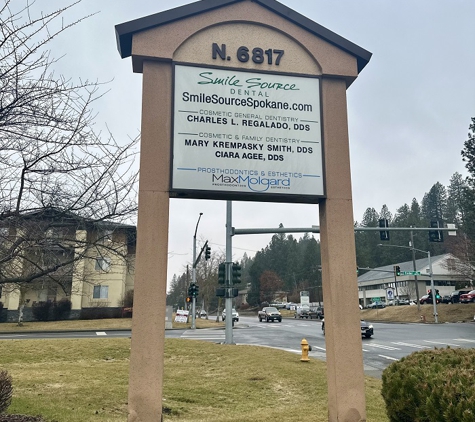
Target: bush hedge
[431,386]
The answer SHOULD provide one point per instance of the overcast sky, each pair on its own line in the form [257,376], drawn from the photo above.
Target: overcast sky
[408,110]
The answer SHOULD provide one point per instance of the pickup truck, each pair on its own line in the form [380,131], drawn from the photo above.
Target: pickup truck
[269,313]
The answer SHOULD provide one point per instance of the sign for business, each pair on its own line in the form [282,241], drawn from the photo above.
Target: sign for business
[246,135]
[181,316]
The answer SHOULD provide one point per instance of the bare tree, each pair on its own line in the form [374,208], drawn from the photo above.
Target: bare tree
[59,176]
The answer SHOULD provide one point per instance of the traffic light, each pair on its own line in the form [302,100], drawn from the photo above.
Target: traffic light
[193,290]
[397,270]
[435,235]
[236,278]
[188,299]
[221,273]
[437,296]
[384,235]
[207,252]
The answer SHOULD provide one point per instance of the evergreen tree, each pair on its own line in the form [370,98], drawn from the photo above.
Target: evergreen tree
[455,200]
[434,203]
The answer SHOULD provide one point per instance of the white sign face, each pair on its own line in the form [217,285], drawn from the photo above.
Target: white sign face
[181,316]
[247,133]
[390,294]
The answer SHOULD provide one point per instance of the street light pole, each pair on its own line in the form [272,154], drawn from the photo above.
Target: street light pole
[434,299]
[414,266]
[193,272]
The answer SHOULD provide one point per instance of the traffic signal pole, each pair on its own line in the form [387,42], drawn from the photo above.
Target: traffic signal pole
[434,297]
[193,272]
[228,274]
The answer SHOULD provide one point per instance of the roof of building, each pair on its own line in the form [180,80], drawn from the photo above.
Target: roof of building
[126,30]
[388,270]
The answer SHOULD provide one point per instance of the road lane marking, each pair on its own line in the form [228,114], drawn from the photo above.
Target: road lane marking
[101,333]
[442,342]
[417,346]
[387,357]
[382,346]
[464,339]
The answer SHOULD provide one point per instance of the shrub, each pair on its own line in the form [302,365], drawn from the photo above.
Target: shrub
[435,385]
[6,391]
[100,313]
[61,309]
[41,310]
[128,300]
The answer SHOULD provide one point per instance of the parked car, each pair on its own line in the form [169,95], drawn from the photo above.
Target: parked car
[201,314]
[235,315]
[468,297]
[367,329]
[428,299]
[278,305]
[375,305]
[446,299]
[398,302]
[455,295]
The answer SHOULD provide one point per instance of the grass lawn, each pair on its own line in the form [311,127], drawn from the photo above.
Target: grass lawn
[81,380]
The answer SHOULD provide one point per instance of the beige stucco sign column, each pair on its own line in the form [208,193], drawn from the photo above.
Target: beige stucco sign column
[277,131]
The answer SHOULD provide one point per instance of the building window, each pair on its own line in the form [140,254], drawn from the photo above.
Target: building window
[100,292]
[103,264]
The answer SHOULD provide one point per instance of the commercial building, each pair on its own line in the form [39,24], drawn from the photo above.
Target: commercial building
[382,283]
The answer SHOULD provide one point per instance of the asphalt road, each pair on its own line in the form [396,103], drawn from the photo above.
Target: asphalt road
[390,341]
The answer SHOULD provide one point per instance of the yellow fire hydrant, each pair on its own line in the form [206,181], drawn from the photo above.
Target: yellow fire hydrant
[305,349]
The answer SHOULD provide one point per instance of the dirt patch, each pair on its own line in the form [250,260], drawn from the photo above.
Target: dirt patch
[20,418]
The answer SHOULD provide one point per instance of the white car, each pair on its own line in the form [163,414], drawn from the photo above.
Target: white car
[235,315]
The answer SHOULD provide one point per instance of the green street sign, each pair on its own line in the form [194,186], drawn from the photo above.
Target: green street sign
[410,273]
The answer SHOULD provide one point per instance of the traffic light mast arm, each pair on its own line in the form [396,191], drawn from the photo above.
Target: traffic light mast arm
[199,255]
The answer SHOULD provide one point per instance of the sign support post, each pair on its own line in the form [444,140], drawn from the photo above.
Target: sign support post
[243,100]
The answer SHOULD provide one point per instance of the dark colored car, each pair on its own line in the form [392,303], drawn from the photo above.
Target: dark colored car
[446,299]
[367,330]
[468,297]
[428,299]
[455,295]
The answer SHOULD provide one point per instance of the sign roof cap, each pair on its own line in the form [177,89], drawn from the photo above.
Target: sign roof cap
[126,30]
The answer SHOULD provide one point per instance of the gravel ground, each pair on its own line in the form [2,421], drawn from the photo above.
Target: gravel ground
[20,418]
